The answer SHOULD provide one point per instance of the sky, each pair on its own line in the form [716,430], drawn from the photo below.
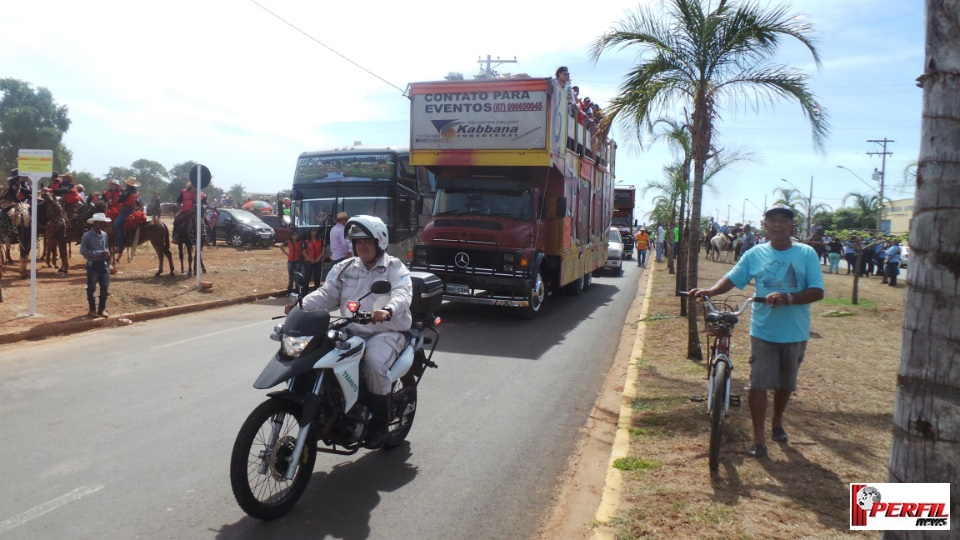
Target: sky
[228,84]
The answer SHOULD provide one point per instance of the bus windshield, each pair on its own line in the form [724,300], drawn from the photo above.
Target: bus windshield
[320,204]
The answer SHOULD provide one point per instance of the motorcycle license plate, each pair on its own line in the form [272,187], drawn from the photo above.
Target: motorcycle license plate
[458,289]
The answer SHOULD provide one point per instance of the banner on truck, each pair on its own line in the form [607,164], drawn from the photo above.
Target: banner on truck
[487,120]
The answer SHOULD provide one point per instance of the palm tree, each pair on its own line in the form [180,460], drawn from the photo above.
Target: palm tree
[926,426]
[701,54]
[868,206]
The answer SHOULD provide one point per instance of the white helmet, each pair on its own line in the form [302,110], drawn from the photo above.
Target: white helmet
[368,227]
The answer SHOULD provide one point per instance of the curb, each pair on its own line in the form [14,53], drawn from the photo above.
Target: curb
[45,330]
[613,484]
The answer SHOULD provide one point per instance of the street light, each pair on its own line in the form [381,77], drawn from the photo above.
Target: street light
[809,200]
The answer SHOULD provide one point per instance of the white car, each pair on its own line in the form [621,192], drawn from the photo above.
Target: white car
[614,250]
[904,255]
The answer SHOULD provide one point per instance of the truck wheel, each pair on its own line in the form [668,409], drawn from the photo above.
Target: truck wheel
[587,280]
[576,288]
[538,293]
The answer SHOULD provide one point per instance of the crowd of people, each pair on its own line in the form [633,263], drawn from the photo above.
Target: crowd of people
[305,255]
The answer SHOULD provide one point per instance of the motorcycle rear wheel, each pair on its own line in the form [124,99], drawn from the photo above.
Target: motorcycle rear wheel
[398,432]
[257,471]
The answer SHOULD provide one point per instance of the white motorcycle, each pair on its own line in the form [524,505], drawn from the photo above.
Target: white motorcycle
[322,408]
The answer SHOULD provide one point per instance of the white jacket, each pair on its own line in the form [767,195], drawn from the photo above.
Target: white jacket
[350,279]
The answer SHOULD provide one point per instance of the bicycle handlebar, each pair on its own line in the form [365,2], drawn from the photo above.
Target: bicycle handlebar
[713,308]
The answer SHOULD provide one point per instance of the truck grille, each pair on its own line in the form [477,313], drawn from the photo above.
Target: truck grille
[479,260]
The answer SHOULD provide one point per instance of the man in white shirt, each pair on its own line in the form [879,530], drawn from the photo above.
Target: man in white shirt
[340,248]
[659,243]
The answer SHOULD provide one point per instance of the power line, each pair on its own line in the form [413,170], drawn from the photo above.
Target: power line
[324,45]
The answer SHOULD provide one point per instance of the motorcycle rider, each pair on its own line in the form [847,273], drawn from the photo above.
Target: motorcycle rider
[350,280]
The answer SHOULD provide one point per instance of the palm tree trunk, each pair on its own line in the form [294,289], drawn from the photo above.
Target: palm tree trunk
[926,433]
[700,134]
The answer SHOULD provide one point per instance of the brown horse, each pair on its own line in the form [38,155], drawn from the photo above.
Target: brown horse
[20,216]
[53,220]
[156,233]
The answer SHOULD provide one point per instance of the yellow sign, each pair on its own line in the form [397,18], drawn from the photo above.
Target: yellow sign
[36,162]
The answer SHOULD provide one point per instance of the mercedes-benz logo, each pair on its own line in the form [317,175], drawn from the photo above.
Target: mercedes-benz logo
[462,260]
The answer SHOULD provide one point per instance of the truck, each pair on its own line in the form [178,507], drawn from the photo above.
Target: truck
[524,191]
[624,199]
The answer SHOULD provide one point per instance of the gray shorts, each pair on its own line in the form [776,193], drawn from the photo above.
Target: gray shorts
[774,366]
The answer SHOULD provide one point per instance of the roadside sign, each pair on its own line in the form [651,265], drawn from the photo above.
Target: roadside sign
[35,164]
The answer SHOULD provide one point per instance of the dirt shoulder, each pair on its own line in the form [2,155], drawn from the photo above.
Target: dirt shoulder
[135,292]
[839,422]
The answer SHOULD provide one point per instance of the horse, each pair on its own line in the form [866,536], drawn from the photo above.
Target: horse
[52,219]
[187,236]
[155,232]
[8,234]
[19,214]
[720,243]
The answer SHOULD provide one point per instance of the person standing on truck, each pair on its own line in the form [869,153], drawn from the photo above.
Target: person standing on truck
[642,245]
[563,78]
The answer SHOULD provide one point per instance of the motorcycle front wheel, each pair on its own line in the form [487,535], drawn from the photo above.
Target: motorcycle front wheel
[261,459]
[404,411]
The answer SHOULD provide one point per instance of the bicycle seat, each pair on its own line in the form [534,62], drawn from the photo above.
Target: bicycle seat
[717,317]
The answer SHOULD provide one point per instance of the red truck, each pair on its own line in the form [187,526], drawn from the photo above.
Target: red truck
[524,198]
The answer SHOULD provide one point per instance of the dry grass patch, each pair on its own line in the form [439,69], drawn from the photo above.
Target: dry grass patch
[839,423]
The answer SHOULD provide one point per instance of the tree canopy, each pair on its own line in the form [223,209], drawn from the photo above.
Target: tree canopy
[31,119]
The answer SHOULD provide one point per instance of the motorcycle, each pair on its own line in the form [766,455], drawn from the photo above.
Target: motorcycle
[322,407]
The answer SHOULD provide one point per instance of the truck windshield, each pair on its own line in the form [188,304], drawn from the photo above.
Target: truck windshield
[514,205]
[621,221]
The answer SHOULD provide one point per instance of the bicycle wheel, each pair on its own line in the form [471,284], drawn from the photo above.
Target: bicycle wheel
[716,412]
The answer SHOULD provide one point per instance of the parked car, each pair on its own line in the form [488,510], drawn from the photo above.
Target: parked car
[904,255]
[614,251]
[239,227]
[281,226]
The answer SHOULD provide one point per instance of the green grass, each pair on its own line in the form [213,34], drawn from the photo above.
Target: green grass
[635,464]
[659,317]
[657,403]
[864,303]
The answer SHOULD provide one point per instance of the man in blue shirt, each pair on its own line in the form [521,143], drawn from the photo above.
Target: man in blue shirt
[893,263]
[94,248]
[788,276]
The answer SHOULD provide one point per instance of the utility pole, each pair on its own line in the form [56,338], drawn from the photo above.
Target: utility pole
[489,71]
[881,175]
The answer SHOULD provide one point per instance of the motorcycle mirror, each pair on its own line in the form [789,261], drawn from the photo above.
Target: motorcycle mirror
[380,287]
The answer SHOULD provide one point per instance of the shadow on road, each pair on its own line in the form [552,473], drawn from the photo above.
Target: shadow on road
[338,503]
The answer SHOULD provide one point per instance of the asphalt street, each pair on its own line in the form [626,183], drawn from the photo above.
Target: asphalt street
[127,432]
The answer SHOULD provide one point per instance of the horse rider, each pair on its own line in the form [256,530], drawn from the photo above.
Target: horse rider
[112,193]
[187,199]
[63,187]
[128,200]
[18,189]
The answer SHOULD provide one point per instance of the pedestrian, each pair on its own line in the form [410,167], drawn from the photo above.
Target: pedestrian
[749,239]
[214,221]
[787,275]
[893,263]
[642,245]
[313,258]
[340,247]
[850,252]
[293,249]
[95,248]
[660,237]
[836,247]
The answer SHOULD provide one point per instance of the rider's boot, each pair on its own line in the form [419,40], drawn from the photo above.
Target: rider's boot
[380,408]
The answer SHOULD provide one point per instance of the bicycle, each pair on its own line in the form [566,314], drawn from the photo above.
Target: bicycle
[720,322]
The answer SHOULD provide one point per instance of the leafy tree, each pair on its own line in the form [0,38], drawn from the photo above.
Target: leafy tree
[180,175]
[695,53]
[152,177]
[847,219]
[238,192]
[31,119]
[868,207]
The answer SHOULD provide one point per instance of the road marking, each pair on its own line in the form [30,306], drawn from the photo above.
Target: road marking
[205,336]
[50,506]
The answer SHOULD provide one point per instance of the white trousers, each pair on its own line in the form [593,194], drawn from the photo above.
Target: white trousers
[381,352]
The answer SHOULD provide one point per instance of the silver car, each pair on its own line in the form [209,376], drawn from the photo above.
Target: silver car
[614,250]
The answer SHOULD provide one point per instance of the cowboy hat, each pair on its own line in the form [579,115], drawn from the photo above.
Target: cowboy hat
[342,215]
[131,181]
[99,217]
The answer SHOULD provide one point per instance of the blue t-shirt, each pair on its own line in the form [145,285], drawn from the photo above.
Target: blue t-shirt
[893,254]
[788,271]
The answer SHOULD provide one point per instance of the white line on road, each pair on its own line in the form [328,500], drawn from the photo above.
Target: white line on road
[204,336]
[50,506]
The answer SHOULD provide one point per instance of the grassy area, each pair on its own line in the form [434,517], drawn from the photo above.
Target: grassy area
[839,423]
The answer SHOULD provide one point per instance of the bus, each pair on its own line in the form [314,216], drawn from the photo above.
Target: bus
[363,180]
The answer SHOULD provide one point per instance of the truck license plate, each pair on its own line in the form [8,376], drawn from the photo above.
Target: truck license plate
[458,289]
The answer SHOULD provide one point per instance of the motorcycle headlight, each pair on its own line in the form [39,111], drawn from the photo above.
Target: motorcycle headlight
[293,346]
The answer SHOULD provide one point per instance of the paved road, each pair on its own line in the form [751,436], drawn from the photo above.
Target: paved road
[126,433]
